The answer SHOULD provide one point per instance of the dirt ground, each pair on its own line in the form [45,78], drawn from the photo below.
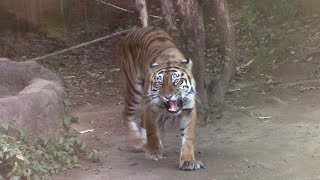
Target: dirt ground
[270,130]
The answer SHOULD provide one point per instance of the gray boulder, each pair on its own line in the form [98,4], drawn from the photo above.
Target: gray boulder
[31,96]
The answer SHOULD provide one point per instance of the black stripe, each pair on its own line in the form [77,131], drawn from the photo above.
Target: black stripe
[140,82]
[187,125]
[131,110]
[154,59]
[130,100]
[160,106]
[189,80]
[147,41]
[135,101]
[131,85]
[158,37]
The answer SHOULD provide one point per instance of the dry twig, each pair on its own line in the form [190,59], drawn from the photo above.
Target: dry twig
[126,10]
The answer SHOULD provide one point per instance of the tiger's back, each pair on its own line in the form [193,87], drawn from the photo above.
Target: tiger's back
[142,46]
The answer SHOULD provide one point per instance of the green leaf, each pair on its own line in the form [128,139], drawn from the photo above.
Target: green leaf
[75,119]
[7,156]
[67,102]
[67,121]
[66,146]
[45,142]
[60,140]
[28,161]
[90,155]
[4,149]
[75,159]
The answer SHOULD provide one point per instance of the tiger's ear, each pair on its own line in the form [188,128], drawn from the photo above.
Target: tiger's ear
[186,61]
[154,65]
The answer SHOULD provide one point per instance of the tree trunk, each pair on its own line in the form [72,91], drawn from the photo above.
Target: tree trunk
[34,17]
[170,22]
[142,8]
[217,91]
[192,33]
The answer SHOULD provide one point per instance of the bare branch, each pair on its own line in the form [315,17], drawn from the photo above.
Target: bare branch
[117,7]
[154,16]
[81,45]
[126,10]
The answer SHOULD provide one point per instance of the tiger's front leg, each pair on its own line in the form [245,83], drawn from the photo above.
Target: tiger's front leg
[188,132]
[154,146]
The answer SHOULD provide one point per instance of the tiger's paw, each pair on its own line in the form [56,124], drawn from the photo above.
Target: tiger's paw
[191,165]
[155,156]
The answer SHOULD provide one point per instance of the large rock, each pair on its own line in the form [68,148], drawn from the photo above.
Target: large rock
[31,96]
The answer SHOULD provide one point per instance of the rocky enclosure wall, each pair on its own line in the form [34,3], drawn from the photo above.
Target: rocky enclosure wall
[31,96]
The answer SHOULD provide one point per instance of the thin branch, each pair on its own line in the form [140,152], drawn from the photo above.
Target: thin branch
[158,17]
[81,45]
[88,43]
[126,10]
[117,7]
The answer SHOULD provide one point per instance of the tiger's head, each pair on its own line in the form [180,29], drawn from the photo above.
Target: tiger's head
[173,86]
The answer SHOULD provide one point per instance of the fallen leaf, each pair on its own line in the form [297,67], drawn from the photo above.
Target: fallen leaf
[85,131]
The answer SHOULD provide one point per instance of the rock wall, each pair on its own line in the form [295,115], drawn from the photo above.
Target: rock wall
[31,96]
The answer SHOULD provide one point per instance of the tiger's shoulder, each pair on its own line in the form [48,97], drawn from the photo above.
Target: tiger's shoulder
[142,32]
[147,36]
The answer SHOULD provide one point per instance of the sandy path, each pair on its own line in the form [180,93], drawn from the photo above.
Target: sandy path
[239,146]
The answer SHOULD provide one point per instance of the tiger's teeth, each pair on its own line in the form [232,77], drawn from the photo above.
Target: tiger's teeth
[173,105]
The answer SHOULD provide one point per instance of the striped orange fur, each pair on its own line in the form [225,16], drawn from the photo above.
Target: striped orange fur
[158,83]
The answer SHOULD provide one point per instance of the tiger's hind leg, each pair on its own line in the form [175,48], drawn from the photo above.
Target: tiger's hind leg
[188,132]
[154,145]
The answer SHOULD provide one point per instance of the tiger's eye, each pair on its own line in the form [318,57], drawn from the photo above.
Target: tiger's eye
[185,87]
[158,78]
[174,76]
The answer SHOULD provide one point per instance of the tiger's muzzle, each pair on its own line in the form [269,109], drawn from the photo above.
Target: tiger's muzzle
[174,106]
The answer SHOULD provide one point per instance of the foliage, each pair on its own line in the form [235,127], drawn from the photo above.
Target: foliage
[21,159]
[283,10]
[265,30]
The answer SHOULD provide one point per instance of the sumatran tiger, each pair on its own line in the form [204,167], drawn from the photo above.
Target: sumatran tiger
[158,83]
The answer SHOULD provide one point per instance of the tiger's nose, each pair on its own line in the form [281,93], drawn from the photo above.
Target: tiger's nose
[168,96]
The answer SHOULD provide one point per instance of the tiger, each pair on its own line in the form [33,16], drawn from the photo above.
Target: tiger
[158,83]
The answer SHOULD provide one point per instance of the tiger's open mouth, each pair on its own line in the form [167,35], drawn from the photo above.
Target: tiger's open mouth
[174,106]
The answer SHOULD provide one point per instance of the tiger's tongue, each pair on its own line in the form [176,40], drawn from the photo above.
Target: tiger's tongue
[173,106]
